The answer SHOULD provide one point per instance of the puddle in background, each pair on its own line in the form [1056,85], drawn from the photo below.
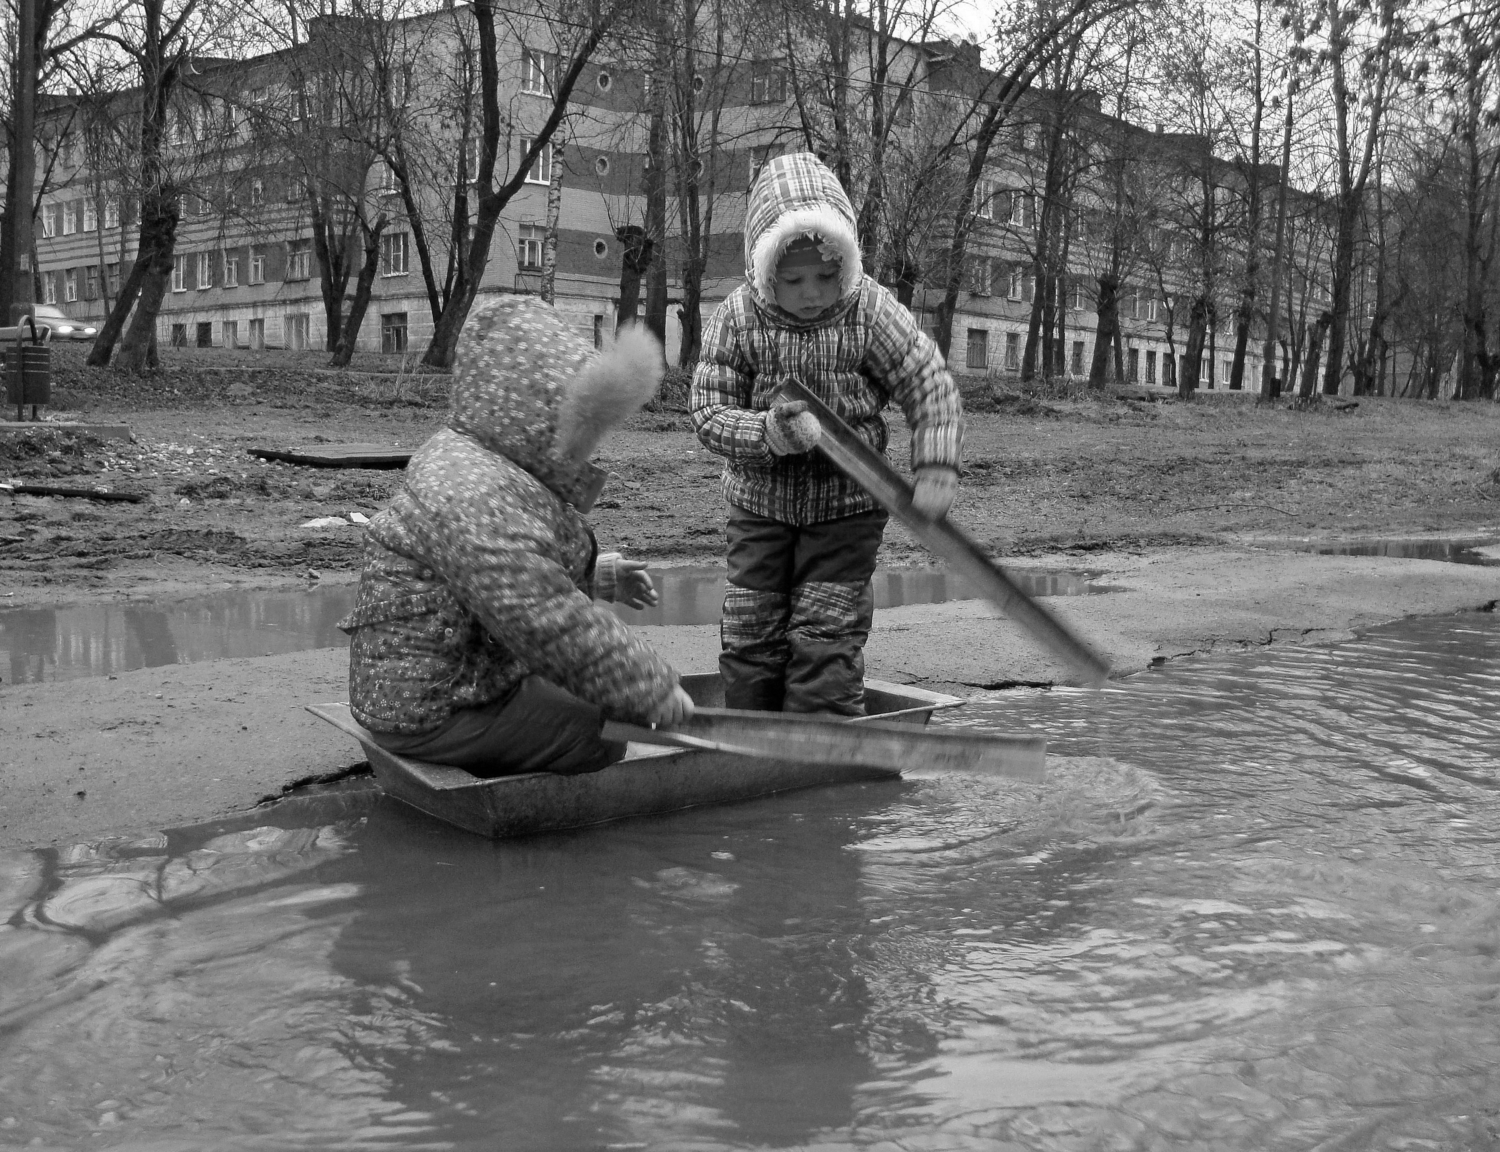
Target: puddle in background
[1483,551]
[42,644]
[1254,906]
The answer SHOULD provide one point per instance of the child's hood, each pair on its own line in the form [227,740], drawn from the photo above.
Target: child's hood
[797,196]
[515,363]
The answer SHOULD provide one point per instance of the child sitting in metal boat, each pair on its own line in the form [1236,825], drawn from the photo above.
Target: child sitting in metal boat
[802,536]
[475,639]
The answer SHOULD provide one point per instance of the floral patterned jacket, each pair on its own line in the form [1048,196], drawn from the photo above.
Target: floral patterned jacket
[481,571]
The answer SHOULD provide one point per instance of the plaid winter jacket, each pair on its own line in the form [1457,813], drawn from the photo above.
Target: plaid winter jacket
[858,356]
[481,570]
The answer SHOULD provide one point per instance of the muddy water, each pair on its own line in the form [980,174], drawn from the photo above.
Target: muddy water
[43,644]
[1256,906]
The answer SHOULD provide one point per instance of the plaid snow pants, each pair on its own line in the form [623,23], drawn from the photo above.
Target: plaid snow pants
[797,612]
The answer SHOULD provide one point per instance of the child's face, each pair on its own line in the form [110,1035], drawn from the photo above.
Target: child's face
[806,284]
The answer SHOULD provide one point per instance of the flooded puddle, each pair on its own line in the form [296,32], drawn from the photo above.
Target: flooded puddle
[42,644]
[1256,905]
[1484,551]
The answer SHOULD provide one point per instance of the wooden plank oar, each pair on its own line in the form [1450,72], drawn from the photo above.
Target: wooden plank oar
[820,740]
[870,471]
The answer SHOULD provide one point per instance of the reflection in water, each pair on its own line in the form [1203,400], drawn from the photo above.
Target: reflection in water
[97,640]
[1254,906]
[1452,551]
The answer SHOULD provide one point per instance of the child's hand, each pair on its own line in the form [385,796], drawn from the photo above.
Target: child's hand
[791,429]
[672,710]
[633,588]
[936,488]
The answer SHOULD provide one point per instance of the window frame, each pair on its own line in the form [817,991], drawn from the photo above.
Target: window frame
[203,274]
[538,71]
[230,264]
[543,162]
[388,251]
[526,236]
[179,272]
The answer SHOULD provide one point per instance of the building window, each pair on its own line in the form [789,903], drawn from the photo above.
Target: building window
[49,287]
[1077,357]
[981,275]
[257,191]
[111,213]
[231,268]
[179,273]
[112,278]
[205,269]
[90,217]
[978,348]
[393,332]
[257,270]
[91,282]
[296,331]
[1150,367]
[985,193]
[70,217]
[1133,365]
[529,241]
[537,70]
[49,221]
[70,285]
[1014,289]
[386,183]
[395,254]
[204,334]
[1151,309]
[1012,350]
[296,189]
[231,330]
[298,260]
[767,82]
[257,334]
[179,335]
[541,167]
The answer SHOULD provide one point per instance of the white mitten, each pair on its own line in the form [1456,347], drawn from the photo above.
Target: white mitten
[791,429]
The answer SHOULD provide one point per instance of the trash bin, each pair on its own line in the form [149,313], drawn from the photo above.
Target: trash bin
[28,376]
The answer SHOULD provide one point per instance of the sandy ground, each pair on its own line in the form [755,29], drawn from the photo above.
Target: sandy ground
[1179,505]
[164,747]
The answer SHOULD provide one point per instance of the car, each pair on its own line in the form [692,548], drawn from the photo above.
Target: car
[63,326]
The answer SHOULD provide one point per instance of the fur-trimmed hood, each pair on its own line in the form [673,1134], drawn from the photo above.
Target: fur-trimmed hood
[528,388]
[797,196]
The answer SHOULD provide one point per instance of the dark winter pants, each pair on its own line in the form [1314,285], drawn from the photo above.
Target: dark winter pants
[797,612]
[538,728]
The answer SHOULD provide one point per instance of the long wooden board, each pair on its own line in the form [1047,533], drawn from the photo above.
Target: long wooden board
[870,471]
[338,455]
[869,744]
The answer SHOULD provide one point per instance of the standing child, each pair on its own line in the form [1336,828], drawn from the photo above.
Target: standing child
[802,537]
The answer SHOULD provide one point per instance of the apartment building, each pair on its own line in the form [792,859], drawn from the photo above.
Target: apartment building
[248,142]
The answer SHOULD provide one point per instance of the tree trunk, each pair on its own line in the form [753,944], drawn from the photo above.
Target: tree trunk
[1192,368]
[637,250]
[349,336]
[549,243]
[158,231]
[1314,353]
[138,349]
[656,225]
[1106,333]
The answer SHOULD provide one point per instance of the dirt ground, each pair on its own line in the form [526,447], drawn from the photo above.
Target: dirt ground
[1044,477]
